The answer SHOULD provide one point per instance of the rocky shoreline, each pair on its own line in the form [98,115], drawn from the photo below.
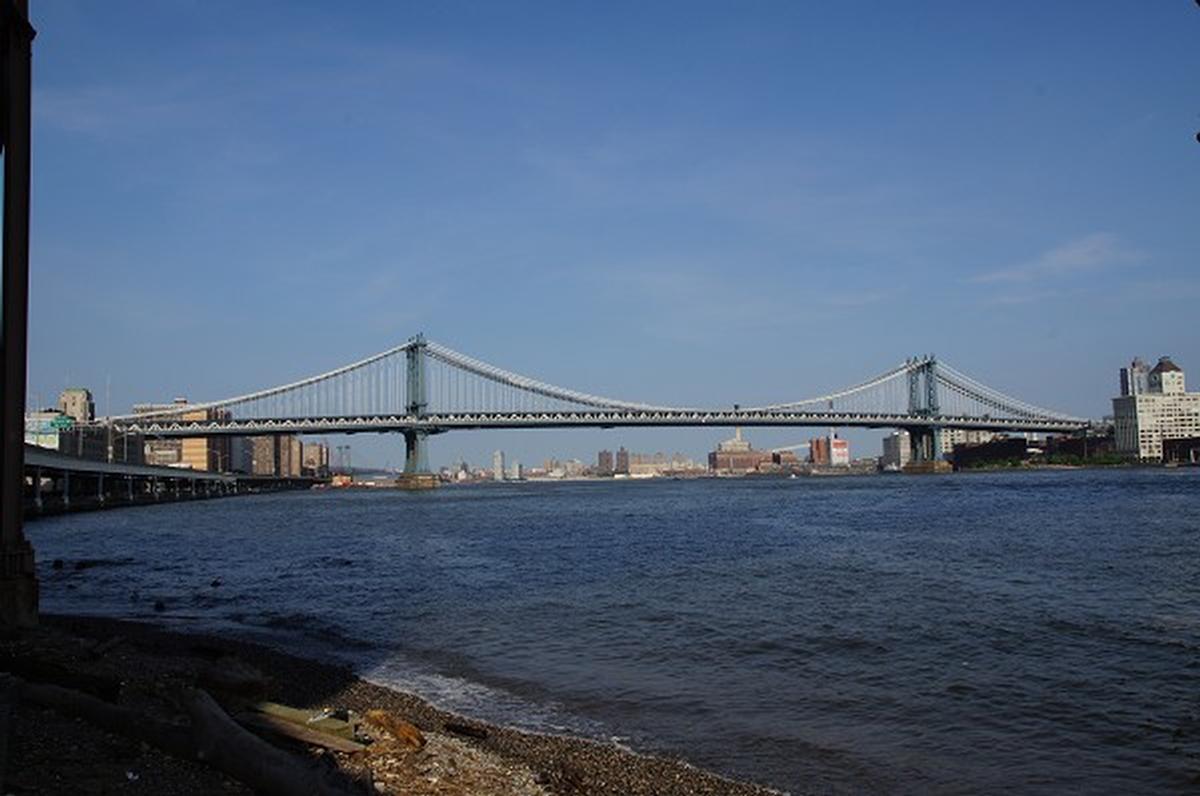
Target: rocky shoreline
[51,753]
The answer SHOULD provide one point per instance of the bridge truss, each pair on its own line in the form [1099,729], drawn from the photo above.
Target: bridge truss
[422,388]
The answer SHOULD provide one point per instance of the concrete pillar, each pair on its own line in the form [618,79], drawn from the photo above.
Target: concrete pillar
[18,579]
[37,489]
[66,489]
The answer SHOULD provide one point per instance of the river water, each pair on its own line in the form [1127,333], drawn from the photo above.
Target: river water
[1036,631]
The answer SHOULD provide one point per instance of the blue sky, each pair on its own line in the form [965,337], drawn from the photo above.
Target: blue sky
[688,203]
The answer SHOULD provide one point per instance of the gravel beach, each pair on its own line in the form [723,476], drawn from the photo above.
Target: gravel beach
[51,753]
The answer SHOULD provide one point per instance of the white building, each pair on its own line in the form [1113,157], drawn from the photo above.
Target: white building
[1142,420]
[498,465]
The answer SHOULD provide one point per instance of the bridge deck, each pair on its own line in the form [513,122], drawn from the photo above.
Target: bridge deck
[436,423]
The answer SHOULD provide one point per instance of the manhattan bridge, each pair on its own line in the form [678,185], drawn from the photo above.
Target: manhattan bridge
[422,388]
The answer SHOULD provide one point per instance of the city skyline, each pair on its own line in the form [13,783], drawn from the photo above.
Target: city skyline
[781,216]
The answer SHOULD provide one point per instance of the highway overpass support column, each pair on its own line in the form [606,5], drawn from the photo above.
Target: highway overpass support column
[18,580]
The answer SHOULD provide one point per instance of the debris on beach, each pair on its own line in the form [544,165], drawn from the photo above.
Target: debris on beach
[401,730]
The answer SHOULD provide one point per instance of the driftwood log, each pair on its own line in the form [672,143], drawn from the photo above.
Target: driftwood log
[273,725]
[243,755]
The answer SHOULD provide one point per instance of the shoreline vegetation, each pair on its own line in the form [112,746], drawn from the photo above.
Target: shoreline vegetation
[98,705]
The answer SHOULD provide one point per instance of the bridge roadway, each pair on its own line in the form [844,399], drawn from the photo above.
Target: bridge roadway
[435,423]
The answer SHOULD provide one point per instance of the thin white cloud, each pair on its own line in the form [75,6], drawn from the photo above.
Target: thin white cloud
[1088,253]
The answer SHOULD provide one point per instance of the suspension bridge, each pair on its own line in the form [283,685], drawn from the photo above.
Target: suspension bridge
[423,388]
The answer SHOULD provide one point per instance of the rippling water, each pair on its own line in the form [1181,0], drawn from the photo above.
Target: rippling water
[1033,631]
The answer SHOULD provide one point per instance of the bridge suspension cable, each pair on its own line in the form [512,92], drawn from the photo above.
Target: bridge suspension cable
[965,386]
[421,378]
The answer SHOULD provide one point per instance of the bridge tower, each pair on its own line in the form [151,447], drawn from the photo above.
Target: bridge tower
[923,402]
[416,458]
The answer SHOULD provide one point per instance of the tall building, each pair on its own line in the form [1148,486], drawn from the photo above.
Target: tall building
[263,456]
[316,459]
[830,451]
[77,403]
[1135,378]
[278,456]
[498,466]
[241,455]
[206,453]
[897,450]
[604,463]
[1165,411]
[622,465]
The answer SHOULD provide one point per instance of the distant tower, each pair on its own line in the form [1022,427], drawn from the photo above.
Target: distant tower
[1166,378]
[498,465]
[622,467]
[77,403]
[604,463]
[735,445]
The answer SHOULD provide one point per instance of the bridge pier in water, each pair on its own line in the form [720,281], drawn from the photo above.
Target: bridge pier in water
[416,473]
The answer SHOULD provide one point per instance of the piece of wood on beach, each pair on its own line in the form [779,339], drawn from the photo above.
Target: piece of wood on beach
[223,743]
[286,728]
[308,718]
[399,729]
